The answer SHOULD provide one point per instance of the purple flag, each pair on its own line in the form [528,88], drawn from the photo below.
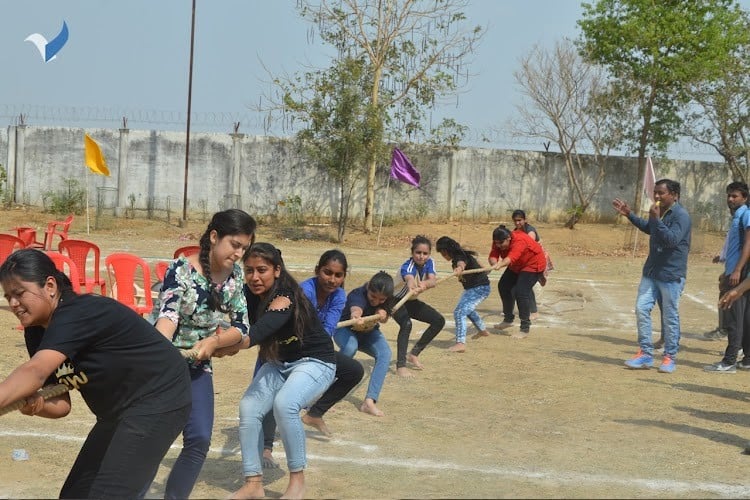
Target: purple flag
[402,169]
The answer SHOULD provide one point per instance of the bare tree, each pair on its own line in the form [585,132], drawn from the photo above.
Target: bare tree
[720,116]
[564,105]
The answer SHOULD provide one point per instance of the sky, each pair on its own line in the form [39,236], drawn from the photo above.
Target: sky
[132,58]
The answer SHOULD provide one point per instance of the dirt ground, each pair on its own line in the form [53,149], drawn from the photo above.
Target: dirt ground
[554,415]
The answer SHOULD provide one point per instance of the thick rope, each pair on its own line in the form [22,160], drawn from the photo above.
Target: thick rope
[46,392]
[372,319]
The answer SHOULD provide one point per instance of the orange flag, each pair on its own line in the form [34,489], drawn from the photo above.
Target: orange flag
[93,157]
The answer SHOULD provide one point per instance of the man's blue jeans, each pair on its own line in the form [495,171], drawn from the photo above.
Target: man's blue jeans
[667,294]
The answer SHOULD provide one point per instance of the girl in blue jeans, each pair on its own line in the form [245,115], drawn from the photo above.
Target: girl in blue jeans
[476,289]
[299,365]
[373,298]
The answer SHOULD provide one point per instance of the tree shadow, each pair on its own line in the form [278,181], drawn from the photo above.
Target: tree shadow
[590,358]
[704,389]
[722,417]
[712,435]
[632,342]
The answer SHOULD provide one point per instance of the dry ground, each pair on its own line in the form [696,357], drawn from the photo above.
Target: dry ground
[555,415]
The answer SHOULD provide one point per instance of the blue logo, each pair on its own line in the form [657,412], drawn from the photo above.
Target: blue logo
[49,50]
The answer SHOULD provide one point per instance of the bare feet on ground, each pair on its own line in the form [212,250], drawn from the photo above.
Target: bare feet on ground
[520,335]
[410,358]
[318,423]
[534,316]
[404,372]
[459,347]
[268,461]
[369,407]
[253,488]
[480,334]
[296,488]
[502,326]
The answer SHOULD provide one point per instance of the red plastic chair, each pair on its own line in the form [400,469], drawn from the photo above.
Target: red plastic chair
[8,245]
[79,251]
[54,228]
[187,251]
[123,269]
[61,261]
[160,269]
[57,228]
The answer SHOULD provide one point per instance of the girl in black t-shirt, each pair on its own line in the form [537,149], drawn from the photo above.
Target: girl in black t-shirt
[299,365]
[476,289]
[130,376]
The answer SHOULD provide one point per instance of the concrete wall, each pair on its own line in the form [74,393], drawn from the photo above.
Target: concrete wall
[259,174]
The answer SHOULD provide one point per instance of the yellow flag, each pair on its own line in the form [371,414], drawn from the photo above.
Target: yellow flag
[93,157]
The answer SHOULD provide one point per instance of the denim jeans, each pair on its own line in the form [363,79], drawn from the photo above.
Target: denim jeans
[371,343]
[466,306]
[286,388]
[196,437]
[667,294]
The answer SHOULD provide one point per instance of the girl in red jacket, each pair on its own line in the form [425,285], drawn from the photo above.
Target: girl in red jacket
[525,262]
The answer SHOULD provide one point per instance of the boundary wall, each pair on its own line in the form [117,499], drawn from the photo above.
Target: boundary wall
[261,174]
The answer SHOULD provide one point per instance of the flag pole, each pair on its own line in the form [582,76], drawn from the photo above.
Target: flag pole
[88,227]
[382,214]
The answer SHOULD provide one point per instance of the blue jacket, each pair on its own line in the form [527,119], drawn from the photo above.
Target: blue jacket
[669,243]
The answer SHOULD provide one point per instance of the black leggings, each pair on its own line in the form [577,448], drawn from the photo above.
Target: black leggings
[516,288]
[418,310]
[119,458]
[349,372]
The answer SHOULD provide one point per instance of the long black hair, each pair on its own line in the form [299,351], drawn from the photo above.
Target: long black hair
[452,248]
[303,311]
[228,222]
[500,233]
[34,266]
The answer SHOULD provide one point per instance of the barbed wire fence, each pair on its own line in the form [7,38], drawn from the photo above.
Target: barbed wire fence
[254,123]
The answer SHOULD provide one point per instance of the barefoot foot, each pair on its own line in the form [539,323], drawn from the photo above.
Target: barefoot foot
[318,423]
[296,488]
[268,461]
[253,488]
[411,358]
[369,407]
[404,372]
[459,347]
[480,334]
[520,335]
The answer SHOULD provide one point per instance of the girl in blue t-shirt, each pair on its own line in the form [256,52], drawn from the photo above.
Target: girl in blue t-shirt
[418,273]
[373,298]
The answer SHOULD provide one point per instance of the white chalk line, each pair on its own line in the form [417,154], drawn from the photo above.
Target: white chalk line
[661,485]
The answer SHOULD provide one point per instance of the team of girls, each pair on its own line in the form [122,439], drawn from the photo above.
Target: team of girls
[299,364]
[231,278]
[525,263]
[130,377]
[418,274]
[476,289]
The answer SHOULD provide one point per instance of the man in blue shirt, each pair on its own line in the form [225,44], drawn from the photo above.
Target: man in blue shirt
[736,254]
[664,272]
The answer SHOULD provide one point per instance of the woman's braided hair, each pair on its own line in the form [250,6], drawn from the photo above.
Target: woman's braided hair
[226,223]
